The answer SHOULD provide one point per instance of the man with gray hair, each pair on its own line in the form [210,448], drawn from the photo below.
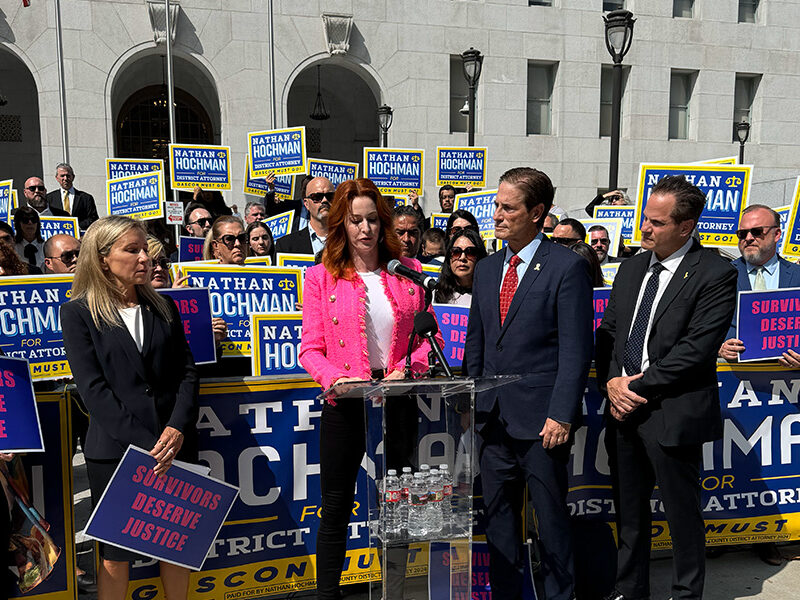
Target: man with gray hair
[254,211]
[76,203]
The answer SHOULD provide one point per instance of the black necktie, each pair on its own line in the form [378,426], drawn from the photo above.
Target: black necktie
[635,344]
[30,253]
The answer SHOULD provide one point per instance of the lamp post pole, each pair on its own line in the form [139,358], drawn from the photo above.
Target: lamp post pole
[385,122]
[472,61]
[619,34]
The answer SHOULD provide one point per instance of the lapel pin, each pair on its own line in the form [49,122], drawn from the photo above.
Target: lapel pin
[686,275]
[538,267]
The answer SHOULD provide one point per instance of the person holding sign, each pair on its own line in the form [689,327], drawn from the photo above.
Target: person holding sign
[460,259]
[134,370]
[226,241]
[357,320]
[311,239]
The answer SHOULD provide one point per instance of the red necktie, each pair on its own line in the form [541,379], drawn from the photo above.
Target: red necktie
[509,286]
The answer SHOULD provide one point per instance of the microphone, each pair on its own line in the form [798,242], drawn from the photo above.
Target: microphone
[425,326]
[395,267]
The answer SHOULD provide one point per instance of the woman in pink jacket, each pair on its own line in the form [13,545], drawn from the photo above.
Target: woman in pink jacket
[357,319]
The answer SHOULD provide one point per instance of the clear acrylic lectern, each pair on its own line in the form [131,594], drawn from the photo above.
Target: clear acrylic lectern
[421,526]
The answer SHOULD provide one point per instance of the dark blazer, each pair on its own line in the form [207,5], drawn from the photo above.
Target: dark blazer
[546,336]
[83,207]
[132,396]
[57,212]
[689,325]
[272,208]
[298,242]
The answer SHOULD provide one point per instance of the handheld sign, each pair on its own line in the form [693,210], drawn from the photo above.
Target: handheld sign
[280,225]
[257,186]
[452,321]
[610,272]
[726,188]
[194,165]
[258,260]
[6,200]
[117,168]
[791,235]
[279,151]
[175,518]
[612,226]
[14,201]
[601,296]
[481,205]
[334,170]
[395,171]
[460,167]
[726,160]
[190,248]
[136,196]
[626,213]
[20,429]
[783,213]
[194,306]
[768,323]
[439,220]
[276,343]
[287,259]
[434,269]
[174,212]
[51,226]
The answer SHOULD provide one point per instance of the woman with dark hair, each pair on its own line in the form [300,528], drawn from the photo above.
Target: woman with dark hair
[587,252]
[463,252]
[28,236]
[226,241]
[357,320]
[459,220]
[10,263]
[259,239]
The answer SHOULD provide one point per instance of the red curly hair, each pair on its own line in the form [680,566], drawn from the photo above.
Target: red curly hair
[336,256]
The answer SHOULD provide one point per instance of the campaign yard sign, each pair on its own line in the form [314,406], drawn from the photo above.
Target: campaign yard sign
[334,170]
[395,171]
[280,225]
[174,518]
[136,196]
[20,429]
[791,235]
[768,323]
[117,168]
[287,259]
[626,213]
[199,165]
[276,343]
[190,248]
[278,151]
[726,188]
[258,186]
[439,220]
[51,226]
[783,213]
[614,229]
[194,306]
[460,167]
[481,205]
[610,272]
[6,200]
[600,298]
[452,321]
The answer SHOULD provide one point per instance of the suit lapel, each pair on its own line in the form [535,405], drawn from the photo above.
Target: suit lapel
[129,346]
[684,273]
[742,279]
[538,262]
[148,322]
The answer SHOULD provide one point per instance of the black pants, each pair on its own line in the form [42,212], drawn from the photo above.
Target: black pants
[342,446]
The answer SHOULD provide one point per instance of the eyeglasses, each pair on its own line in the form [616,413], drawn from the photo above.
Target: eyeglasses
[756,232]
[36,188]
[565,241]
[318,197]
[161,263]
[471,252]
[457,230]
[203,222]
[604,241]
[27,220]
[230,240]
[67,256]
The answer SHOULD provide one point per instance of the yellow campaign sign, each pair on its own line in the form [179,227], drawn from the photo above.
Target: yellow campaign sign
[791,234]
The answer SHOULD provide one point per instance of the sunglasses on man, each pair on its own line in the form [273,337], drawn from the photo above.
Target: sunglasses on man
[67,257]
[203,222]
[604,241]
[36,188]
[318,197]
[756,232]
[565,241]
[230,240]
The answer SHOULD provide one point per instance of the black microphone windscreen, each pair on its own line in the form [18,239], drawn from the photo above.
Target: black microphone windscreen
[425,324]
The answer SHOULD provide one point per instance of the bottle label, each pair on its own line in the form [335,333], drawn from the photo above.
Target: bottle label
[418,499]
[436,496]
[392,496]
[404,492]
[448,490]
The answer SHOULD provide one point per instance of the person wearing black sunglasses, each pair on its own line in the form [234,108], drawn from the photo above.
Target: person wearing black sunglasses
[61,254]
[35,194]
[226,241]
[463,252]
[311,239]
[197,220]
[28,237]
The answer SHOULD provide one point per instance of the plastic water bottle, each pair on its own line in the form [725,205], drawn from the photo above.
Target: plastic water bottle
[434,508]
[391,505]
[447,499]
[417,500]
[405,485]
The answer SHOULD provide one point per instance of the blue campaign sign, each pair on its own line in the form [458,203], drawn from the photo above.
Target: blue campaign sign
[610,272]
[190,248]
[395,170]
[6,188]
[284,187]
[439,220]
[460,167]
[51,226]
[783,213]
[434,269]
[276,343]
[280,225]
[768,323]
[117,168]
[136,196]
[174,518]
[286,259]
[20,430]
[726,188]
[791,234]
[626,213]
[237,292]
[279,151]
[194,306]
[335,170]
[197,165]
[600,302]
[481,205]
[31,324]
[257,186]
[452,321]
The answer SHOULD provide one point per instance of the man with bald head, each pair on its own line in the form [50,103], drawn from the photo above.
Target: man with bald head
[61,254]
[311,239]
[35,194]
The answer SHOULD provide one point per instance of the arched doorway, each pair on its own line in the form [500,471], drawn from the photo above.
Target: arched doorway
[351,103]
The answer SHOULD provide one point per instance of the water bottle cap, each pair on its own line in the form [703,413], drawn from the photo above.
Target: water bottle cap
[417,475]
[443,467]
[406,469]
[391,472]
[424,467]
[434,471]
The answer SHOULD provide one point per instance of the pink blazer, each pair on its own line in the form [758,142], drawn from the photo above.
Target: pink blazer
[334,339]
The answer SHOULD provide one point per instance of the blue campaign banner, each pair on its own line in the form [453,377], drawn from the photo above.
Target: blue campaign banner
[726,188]
[434,269]
[136,196]
[395,170]
[286,259]
[600,302]
[190,248]
[280,225]
[279,151]
[284,187]
[20,429]
[174,518]
[258,186]
[31,324]
[334,170]
[276,343]
[626,213]
[6,200]
[194,165]
[51,226]
[194,306]
[610,272]
[452,321]
[791,234]
[768,323]
[481,205]
[237,292]
[117,168]
[460,167]
[439,220]
[783,213]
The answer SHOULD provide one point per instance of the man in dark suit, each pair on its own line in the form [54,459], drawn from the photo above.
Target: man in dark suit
[600,241]
[311,239]
[76,203]
[531,315]
[35,194]
[656,357]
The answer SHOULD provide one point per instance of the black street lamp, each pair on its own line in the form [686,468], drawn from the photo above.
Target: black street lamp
[385,121]
[619,35]
[742,132]
[472,61]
